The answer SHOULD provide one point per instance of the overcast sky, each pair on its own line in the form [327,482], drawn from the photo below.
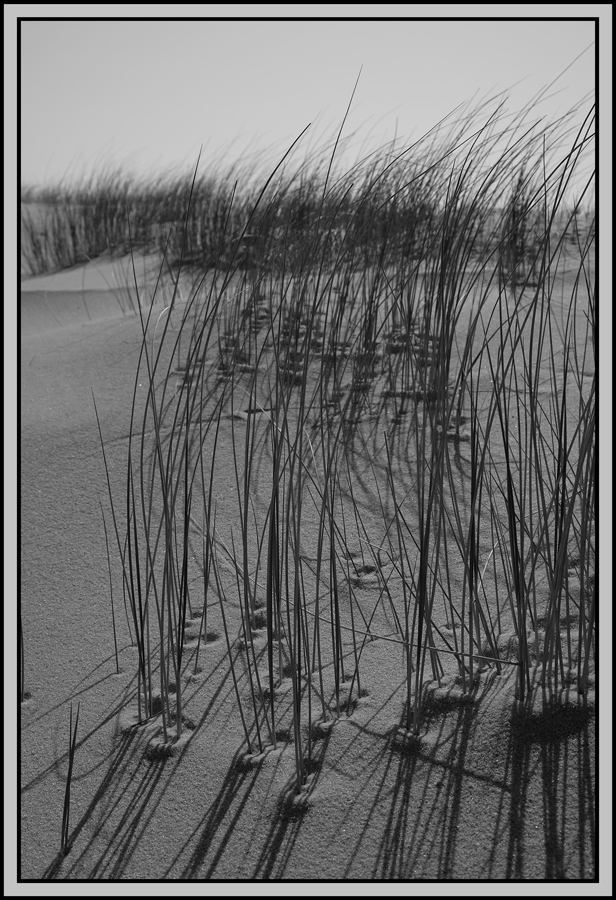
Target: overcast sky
[147,94]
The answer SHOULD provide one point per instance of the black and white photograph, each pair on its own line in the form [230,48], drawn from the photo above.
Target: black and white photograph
[305,354]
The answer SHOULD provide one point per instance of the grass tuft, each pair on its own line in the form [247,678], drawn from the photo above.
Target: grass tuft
[401,360]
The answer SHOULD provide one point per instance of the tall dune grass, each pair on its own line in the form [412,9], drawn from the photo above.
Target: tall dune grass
[403,355]
[65,843]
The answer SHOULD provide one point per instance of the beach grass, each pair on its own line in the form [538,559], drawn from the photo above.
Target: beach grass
[403,359]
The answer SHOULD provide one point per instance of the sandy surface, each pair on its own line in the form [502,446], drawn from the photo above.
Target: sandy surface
[489,791]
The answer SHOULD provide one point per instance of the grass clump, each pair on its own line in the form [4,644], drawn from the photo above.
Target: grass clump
[401,358]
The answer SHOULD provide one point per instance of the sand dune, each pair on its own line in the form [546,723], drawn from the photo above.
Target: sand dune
[489,791]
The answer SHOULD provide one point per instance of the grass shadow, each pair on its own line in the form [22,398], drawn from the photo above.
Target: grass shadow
[557,739]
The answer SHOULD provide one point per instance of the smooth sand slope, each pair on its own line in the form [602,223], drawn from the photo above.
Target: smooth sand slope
[488,791]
